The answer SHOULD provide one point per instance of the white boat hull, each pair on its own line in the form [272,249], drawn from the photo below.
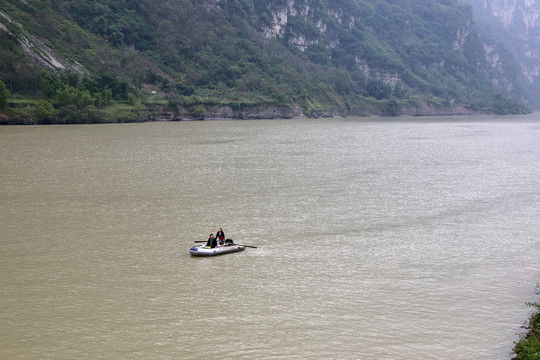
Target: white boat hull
[202,250]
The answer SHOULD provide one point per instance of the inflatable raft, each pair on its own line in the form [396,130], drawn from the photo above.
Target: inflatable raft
[203,250]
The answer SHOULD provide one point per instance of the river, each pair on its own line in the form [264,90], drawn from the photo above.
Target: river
[406,238]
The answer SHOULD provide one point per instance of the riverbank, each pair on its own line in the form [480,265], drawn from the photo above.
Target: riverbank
[43,113]
[156,106]
[528,346]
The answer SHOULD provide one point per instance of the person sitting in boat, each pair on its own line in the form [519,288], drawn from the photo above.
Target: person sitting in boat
[212,242]
[220,235]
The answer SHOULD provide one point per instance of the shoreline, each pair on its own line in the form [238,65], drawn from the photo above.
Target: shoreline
[528,345]
[29,116]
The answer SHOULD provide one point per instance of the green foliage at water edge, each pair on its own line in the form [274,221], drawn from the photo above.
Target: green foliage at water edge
[528,347]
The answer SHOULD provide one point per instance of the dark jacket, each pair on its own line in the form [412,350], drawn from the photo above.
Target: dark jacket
[220,235]
[212,242]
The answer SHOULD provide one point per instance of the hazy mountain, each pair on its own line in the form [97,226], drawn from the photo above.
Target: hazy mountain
[510,30]
[251,58]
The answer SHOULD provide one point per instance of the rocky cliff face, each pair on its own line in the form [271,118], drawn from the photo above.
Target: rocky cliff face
[35,48]
[326,28]
[521,15]
[518,24]
[521,18]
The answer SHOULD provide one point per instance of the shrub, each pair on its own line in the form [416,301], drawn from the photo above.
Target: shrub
[4,95]
[45,112]
[528,347]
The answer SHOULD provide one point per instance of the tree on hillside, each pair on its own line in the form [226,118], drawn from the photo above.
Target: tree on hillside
[4,94]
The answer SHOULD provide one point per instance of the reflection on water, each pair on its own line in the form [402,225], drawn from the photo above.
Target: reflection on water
[377,239]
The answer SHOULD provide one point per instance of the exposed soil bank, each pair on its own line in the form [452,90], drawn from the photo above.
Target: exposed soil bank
[294,112]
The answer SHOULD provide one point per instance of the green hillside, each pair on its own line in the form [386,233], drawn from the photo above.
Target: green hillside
[136,60]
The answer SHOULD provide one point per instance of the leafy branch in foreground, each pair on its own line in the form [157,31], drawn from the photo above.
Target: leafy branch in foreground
[528,346]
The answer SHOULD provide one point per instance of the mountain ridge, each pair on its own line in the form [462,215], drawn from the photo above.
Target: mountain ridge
[188,60]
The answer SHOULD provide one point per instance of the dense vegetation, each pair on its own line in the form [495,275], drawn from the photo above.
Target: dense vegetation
[4,95]
[124,58]
[528,347]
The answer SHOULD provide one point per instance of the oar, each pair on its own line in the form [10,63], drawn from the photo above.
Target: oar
[248,246]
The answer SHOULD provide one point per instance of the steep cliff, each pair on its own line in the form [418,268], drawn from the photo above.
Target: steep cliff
[511,34]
